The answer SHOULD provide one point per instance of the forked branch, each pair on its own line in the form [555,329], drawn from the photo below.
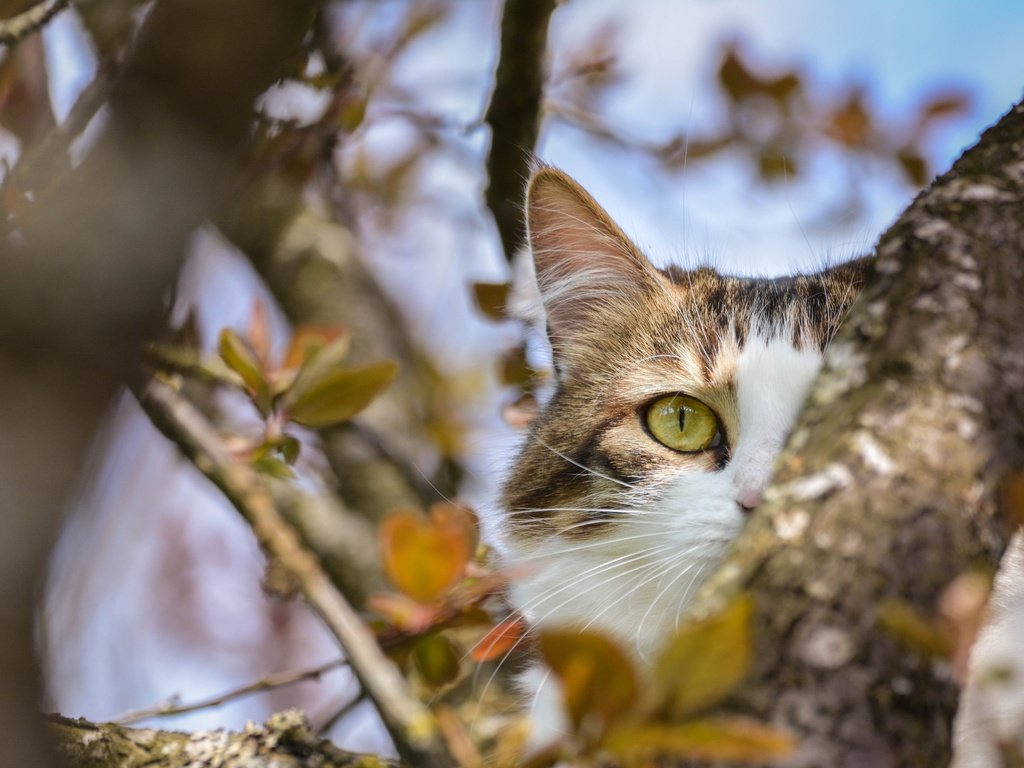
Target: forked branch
[409,723]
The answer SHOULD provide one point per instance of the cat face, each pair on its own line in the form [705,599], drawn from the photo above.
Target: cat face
[675,391]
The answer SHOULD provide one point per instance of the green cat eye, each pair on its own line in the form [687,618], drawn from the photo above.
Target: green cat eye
[683,424]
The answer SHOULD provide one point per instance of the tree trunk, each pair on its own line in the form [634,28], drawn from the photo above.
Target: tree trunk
[890,484]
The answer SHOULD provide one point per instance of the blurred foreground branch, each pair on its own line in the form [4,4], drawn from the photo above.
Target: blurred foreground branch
[410,724]
[284,741]
[892,481]
[83,281]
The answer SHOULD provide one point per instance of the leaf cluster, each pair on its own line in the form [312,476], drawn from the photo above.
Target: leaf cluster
[309,386]
[618,716]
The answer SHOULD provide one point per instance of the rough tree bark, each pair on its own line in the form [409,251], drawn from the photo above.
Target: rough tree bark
[284,741]
[890,484]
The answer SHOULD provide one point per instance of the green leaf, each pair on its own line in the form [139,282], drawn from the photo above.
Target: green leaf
[273,467]
[734,739]
[289,448]
[705,662]
[284,447]
[917,632]
[240,357]
[598,682]
[436,659]
[336,394]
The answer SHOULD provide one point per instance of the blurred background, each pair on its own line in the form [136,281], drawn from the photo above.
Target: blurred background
[759,137]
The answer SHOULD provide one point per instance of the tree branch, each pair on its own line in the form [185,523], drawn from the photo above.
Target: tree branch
[514,114]
[889,486]
[284,741]
[17,28]
[409,723]
[268,683]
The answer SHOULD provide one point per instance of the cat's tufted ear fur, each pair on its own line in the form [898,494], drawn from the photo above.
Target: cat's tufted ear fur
[588,270]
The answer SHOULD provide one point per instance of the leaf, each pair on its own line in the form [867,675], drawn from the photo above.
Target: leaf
[705,662]
[492,299]
[460,744]
[403,612]
[774,164]
[289,448]
[436,659]
[309,340]
[944,105]
[424,556]
[718,738]
[914,166]
[336,394]
[917,632]
[736,80]
[240,357]
[258,333]
[850,124]
[501,639]
[597,679]
[272,467]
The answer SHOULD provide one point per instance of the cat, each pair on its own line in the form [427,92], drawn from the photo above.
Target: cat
[674,391]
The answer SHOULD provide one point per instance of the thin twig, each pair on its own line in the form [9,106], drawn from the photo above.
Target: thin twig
[514,114]
[409,723]
[17,28]
[347,707]
[268,683]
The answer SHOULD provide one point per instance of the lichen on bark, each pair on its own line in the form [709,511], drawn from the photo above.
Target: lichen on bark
[888,488]
[284,741]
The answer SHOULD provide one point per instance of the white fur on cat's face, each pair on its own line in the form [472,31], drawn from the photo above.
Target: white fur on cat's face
[634,581]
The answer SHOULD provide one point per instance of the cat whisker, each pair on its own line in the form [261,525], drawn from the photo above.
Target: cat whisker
[659,570]
[610,543]
[600,568]
[585,468]
[664,590]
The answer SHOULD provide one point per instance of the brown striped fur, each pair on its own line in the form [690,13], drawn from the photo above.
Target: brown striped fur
[624,333]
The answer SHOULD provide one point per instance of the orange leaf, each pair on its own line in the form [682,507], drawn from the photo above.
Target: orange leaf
[258,332]
[598,682]
[501,639]
[402,612]
[309,339]
[423,556]
[459,742]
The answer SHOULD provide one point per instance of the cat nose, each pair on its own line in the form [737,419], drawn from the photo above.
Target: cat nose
[749,499]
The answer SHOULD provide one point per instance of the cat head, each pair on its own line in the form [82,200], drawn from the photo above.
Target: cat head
[675,390]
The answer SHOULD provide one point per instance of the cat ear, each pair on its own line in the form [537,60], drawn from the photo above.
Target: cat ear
[587,269]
